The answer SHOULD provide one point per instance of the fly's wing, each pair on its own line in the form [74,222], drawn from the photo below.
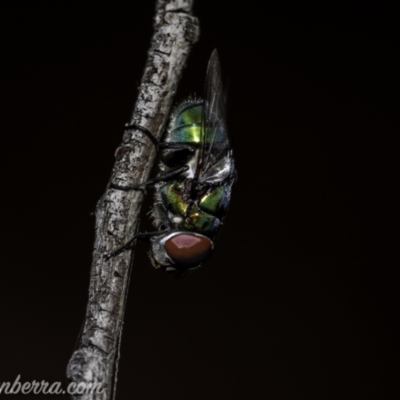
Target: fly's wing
[215,158]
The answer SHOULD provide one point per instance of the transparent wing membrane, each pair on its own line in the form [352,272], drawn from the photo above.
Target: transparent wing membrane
[214,138]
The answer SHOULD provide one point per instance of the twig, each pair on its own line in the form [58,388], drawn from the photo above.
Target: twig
[117,212]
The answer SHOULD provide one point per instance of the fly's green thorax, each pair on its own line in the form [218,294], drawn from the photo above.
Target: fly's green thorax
[200,216]
[172,197]
[213,201]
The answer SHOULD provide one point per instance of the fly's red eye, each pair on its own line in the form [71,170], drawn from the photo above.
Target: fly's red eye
[188,250]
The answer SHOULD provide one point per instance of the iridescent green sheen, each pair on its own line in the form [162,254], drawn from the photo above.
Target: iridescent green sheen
[186,126]
[200,221]
[191,114]
[171,195]
[193,217]
[210,202]
[184,134]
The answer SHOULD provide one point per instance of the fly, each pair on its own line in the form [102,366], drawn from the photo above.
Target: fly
[193,187]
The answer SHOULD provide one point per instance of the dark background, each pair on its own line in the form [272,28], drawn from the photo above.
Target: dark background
[300,299]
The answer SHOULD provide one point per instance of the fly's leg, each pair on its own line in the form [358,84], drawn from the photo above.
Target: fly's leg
[142,129]
[159,215]
[128,245]
[156,142]
[158,145]
[160,178]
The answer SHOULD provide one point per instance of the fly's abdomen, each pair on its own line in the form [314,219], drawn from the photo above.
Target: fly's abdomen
[186,126]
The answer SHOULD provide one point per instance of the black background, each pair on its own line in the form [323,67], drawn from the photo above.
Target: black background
[299,300]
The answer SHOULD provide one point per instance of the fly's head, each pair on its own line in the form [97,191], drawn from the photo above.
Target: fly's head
[180,251]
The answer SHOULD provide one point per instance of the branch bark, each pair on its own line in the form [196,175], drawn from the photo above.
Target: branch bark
[117,212]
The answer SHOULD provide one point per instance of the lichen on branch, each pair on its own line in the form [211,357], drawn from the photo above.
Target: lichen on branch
[117,211]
